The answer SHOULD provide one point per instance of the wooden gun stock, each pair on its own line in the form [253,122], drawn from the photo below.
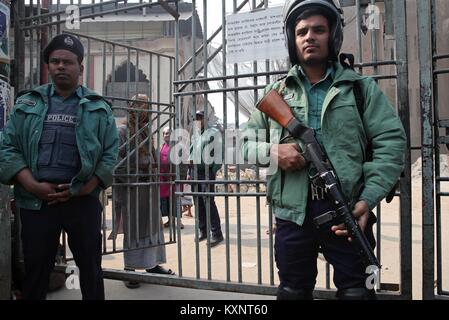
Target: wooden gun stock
[275,107]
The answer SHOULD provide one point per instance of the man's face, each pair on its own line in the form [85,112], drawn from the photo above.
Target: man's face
[312,40]
[64,69]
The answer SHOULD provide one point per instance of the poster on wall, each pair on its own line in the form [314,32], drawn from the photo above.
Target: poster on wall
[5,91]
[4,33]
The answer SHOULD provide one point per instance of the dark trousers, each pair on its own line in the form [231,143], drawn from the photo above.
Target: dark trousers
[203,202]
[296,252]
[80,217]
[165,207]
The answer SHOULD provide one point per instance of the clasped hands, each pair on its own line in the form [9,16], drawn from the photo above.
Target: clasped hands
[57,193]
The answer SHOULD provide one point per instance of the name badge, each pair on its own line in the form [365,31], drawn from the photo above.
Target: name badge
[27,102]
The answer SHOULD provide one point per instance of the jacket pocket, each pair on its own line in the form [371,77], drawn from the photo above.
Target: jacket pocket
[46,146]
[68,151]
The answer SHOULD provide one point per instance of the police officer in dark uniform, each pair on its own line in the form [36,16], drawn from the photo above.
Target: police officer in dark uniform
[59,150]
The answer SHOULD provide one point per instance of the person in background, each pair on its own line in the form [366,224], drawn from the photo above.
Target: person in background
[166,190]
[136,207]
[205,172]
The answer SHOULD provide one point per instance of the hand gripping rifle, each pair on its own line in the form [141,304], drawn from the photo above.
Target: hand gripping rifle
[274,106]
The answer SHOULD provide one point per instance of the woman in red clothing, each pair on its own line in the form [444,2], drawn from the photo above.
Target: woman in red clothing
[165,188]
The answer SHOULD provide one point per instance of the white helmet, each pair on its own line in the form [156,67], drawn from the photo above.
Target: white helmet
[331,10]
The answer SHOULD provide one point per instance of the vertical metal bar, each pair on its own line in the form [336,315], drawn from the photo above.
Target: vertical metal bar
[103,224]
[151,73]
[428,232]
[114,214]
[113,71]
[195,171]
[88,64]
[206,117]
[358,35]
[225,125]
[436,114]
[5,243]
[103,87]
[128,72]
[31,40]
[258,238]
[58,26]
[19,47]
[158,136]
[128,173]
[237,173]
[178,125]
[136,75]
[379,238]
[136,214]
[373,36]
[400,25]
[270,243]
[38,42]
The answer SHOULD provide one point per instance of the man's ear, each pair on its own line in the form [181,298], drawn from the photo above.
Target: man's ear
[81,69]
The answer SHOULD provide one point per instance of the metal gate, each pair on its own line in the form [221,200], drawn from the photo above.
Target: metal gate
[376,31]
[433,58]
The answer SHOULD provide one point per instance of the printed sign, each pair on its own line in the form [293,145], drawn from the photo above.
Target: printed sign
[255,36]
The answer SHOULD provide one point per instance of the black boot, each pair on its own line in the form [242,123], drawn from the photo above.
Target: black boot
[286,293]
[216,239]
[203,236]
[356,294]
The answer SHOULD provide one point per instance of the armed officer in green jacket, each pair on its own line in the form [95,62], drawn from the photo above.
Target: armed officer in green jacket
[320,92]
[59,149]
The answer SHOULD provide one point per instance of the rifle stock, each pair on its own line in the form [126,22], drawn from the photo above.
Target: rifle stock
[275,107]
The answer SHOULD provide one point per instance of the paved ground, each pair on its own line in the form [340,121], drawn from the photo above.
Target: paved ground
[115,290]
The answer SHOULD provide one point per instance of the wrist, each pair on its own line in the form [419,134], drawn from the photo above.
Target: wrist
[31,186]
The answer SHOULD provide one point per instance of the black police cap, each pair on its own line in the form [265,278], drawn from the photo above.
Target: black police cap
[64,42]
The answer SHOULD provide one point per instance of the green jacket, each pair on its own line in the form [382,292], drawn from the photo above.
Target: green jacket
[345,137]
[96,136]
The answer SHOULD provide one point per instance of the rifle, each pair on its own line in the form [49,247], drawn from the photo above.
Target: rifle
[274,106]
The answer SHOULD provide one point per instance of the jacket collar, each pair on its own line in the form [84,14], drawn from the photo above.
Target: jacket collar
[84,93]
[341,75]
[78,92]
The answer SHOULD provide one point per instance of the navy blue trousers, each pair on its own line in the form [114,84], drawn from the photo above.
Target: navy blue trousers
[80,217]
[296,252]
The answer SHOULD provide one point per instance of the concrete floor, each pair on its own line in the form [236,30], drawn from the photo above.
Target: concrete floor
[116,290]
